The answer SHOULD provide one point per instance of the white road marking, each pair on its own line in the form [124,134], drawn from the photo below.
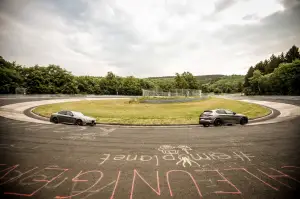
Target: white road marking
[105,131]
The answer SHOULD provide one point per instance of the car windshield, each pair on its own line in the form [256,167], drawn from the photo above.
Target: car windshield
[206,113]
[77,113]
[228,112]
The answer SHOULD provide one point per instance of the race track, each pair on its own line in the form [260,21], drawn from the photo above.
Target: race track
[65,161]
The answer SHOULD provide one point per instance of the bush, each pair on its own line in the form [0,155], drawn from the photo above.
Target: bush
[217,91]
[134,101]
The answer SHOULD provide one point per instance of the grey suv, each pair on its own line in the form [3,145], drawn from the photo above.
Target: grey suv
[219,117]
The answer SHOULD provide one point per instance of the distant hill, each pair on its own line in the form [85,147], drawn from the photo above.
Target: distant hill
[209,78]
[201,78]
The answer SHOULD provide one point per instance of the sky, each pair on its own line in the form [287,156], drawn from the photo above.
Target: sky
[147,38]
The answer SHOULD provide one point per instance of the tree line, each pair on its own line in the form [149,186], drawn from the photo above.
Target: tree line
[278,75]
[53,79]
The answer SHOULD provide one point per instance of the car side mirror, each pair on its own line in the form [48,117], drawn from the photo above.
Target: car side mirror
[234,113]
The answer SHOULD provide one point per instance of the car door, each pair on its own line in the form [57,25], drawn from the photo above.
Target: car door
[222,115]
[230,117]
[70,117]
[62,116]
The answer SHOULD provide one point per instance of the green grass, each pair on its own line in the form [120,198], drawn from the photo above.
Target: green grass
[121,111]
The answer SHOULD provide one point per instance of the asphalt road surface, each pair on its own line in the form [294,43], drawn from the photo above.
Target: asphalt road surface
[64,161]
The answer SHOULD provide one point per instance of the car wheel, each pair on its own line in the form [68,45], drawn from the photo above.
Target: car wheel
[206,125]
[55,120]
[217,122]
[79,122]
[243,121]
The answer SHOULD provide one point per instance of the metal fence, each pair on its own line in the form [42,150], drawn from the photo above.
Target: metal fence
[171,93]
[20,91]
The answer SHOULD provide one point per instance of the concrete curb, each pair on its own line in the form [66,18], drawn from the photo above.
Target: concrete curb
[29,112]
[32,114]
[273,114]
[287,111]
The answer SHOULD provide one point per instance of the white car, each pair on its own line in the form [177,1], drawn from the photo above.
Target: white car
[72,117]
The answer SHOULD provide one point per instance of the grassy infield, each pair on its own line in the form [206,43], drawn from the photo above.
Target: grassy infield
[121,111]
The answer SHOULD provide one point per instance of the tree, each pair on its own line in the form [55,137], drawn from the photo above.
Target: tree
[48,80]
[228,84]
[274,63]
[186,81]
[147,84]
[10,77]
[285,79]
[88,84]
[282,57]
[255,82]
[164,84]
[180,82]
[217,91]
[292,54]
[205,88]
[279,75]
[247,76]
[69,87]
[191,80]
[131,86]
[261,66]
[240,86]
[110,84]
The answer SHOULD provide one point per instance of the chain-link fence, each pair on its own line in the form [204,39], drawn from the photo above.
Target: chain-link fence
[172,93]
[20,91]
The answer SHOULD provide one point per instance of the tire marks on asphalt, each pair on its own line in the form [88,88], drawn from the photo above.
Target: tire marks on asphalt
[88,135]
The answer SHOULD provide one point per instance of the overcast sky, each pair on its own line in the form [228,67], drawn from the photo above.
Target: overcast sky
[147,37]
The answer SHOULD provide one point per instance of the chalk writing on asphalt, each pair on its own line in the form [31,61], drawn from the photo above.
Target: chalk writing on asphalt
[18,181]
[185,171]
[181,155]
[88,135]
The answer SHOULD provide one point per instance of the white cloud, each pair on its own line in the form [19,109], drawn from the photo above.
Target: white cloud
[144,38]
[261,9]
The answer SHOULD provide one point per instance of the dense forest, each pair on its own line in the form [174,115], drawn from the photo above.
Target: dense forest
[276,75]
[55,80]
